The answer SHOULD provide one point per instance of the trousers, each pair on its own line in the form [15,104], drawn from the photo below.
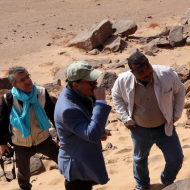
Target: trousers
[23,155]
[143,139]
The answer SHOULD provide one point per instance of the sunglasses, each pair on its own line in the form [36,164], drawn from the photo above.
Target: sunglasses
[140,66]
[91,83]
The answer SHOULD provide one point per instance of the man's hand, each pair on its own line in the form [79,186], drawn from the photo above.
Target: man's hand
[57,143]
[2,149]
[100,93]
[104,136]
[130,127]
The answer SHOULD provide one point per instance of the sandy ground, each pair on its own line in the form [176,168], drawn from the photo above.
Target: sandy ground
[26,27]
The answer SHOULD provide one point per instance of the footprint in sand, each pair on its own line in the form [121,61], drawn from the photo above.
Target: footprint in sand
[156,158]
[124,150]
[123,139]
[55,181]
[186,140]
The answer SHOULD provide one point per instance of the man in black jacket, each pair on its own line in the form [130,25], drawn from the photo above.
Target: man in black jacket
[29,120]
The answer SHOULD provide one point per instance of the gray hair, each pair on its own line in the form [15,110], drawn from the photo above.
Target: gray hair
[13,71]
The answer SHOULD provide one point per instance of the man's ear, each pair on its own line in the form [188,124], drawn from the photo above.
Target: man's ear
[14,85]
[75,85]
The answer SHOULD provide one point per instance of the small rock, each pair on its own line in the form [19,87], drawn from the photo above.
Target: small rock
[113,121]
[149,53]
[186,146]
[108,146]
[181,124]
[53,166]
[113,128]
[116,61]
[93,52]
[32,181]
[49,44]
[188,41]
[105,61]
[133,50]
[61,53]
[116,65]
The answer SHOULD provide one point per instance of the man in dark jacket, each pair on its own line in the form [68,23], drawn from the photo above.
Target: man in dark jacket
[31,108]
[80,115]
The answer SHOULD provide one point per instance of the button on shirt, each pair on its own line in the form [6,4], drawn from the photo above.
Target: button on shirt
[146,110]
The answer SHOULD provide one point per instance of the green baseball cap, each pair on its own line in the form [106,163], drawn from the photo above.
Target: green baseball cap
[82,70]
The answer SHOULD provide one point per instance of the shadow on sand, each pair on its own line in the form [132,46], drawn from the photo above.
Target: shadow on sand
[156,186]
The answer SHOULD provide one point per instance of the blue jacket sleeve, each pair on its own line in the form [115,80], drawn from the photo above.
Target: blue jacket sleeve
[75,121]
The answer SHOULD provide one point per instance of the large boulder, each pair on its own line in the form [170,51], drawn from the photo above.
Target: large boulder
[113,44]
[188,41]
[182,71]
[187,104]
[188,113]
[98,63]
[151,46]
[36,165]
[5,84]
[186,29]
[61,74]
[124,27]
[179,185]
[186,17]
[163,41]
[107,81]
[95,63]
[187,86]
[176,36]
[93,37]
[116,65]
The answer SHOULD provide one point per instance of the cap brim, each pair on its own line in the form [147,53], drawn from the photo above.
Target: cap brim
[93,75]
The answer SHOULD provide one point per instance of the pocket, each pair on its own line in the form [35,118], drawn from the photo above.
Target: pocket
[167,91]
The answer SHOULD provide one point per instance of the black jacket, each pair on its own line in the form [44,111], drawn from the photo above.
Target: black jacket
[4,116]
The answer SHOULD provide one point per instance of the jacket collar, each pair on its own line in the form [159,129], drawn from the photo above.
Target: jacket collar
[85,103]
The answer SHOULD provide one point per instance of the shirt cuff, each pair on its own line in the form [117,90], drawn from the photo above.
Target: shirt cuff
[101,101]
[130,122]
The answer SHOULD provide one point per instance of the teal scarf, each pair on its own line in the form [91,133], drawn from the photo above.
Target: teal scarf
[22,122]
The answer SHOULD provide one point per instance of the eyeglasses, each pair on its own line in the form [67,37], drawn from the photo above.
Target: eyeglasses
[140,66]
[91,83]
[24,79]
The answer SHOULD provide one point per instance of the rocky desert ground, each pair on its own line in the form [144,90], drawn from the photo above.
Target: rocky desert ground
[34,34]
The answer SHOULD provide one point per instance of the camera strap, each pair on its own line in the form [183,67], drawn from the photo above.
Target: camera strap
[13,169]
